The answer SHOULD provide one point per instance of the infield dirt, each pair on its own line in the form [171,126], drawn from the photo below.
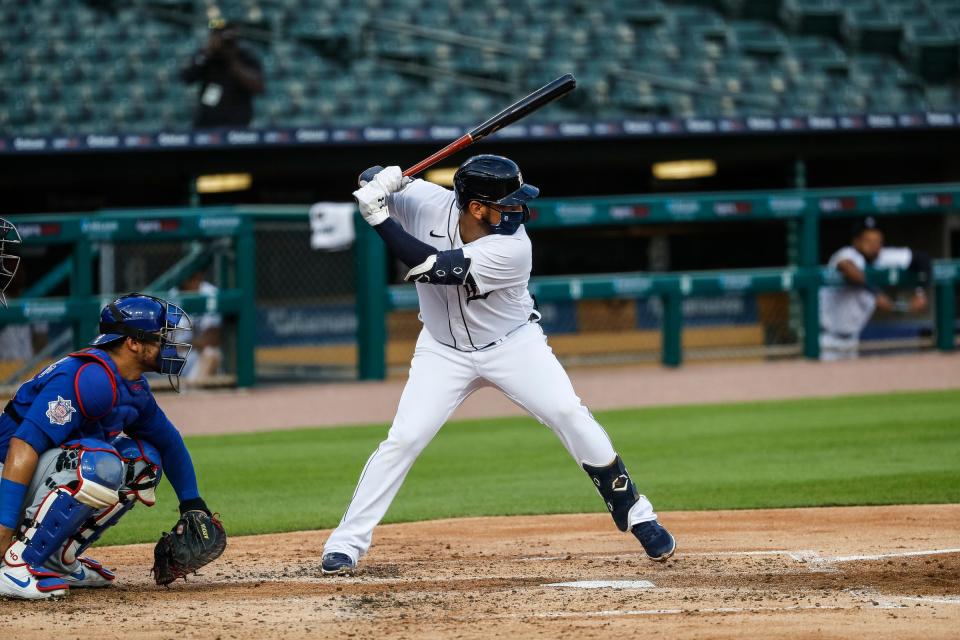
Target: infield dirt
[784,573]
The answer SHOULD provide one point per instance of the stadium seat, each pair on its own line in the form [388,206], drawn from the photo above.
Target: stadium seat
[757,38]
[932,48]
[870,27]
[812,17]
[328,60]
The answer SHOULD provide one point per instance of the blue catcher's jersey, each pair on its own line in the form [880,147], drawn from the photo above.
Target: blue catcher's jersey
[84,396]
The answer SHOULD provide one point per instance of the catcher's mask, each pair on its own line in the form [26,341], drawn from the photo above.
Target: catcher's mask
[495,180]
[149,319]
[9,237]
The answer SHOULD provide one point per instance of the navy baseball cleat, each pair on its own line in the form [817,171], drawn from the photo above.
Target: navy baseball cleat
[335,563]
[656,541]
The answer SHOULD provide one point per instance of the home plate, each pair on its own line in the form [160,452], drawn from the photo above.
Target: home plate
[605,584]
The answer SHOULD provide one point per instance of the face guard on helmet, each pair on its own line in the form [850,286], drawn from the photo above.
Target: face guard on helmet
[495,180]
[149,319]
[8,261]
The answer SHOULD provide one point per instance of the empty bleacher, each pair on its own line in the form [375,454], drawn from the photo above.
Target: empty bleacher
[112,65]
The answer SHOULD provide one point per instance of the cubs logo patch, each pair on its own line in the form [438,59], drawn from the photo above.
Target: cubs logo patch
[60,411]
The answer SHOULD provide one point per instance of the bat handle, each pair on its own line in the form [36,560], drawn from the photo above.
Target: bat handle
[462,142]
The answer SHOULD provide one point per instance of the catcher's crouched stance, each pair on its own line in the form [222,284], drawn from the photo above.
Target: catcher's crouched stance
[83,442]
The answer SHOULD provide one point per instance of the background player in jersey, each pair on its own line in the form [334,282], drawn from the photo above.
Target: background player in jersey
[471,258]
[845,310]
[82,442]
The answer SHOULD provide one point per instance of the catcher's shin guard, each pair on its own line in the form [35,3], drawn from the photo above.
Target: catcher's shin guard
[64,510]
[142,473]
[614,485]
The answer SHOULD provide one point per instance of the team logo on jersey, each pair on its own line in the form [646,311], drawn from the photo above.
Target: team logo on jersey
[60,411]
[473,292]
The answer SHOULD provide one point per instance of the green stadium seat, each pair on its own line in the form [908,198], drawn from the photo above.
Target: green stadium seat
[820,53]
[757,38]
[933,50]
[768,10]
[813,17]
[870,27]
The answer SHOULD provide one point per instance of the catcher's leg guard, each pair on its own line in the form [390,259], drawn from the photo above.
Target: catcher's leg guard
[142,473]
[614,485]
[98,474]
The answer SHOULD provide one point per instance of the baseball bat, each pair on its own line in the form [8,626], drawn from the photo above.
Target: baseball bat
[519,109]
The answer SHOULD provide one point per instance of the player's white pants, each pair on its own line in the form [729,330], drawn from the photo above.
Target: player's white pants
[523,367]
[834,347]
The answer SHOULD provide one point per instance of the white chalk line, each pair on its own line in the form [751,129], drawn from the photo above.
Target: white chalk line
[885,601]
[800,555]
[882,556]
[661,612]
[604,584]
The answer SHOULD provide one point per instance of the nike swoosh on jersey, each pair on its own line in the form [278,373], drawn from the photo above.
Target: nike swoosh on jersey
[434,235]
[23,585]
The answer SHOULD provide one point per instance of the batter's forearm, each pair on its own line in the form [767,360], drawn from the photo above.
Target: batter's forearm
[408,249]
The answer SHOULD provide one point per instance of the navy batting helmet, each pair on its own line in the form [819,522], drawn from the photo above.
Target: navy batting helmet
[149,319]
[495,180]
[8,261]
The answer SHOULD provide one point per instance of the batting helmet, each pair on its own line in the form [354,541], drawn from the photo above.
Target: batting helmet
[495,180]
[148,319]
[8,261]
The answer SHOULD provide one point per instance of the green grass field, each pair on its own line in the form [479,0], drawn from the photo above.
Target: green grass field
[900,448]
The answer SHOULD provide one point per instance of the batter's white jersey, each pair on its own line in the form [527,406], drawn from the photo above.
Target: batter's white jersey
[468,317]
[473,337]
[845,310]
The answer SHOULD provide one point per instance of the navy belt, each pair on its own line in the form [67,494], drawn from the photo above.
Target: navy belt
[845,336]
[10,411]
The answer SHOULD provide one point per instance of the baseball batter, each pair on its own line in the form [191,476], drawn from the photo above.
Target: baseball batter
[470,257]
[845,310]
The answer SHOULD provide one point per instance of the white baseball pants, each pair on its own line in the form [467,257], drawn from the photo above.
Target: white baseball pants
[524,367]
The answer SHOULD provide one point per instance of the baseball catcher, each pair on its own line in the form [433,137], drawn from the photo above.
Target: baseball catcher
[84,441]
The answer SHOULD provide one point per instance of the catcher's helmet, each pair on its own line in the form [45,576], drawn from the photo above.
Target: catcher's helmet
[150,319]
[495,180]
[8,261]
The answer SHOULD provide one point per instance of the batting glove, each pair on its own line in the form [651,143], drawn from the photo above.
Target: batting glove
[372,196]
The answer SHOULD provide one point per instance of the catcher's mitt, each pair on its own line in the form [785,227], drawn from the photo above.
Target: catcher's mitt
[194,541]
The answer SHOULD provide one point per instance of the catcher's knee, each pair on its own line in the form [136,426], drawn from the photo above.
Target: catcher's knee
[142,469]
[64,510]
[614,485]
[99,471]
